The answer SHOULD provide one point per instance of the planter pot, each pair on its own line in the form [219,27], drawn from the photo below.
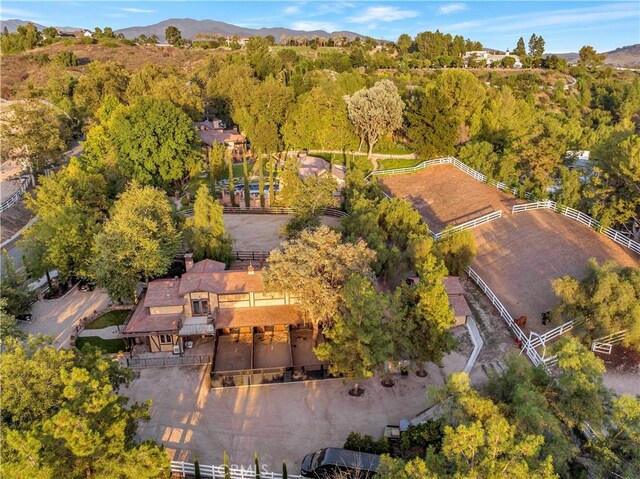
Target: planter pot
[404,372]
[356,392]
[421,373]
[388,383]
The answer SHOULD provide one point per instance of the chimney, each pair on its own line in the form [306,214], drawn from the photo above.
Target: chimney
[188,261]
[250,269]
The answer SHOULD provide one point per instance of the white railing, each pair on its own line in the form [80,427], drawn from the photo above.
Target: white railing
[504,314]
[469,224]
[605,344]
[411,169]
[26,181]
[541,339]
[218,472]
[468,170]
[579,216]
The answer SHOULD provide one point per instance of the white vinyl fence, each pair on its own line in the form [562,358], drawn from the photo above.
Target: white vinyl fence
[579,216]
[217,472]
[469,224]
[605,344]
[26,181]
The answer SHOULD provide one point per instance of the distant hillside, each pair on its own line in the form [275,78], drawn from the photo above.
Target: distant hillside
[13,24]
[628,56]
[189,28]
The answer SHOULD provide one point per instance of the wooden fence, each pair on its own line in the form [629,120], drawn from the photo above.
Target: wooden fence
[218,472]
[270,210]
[169,361]
[579,216]
[26,181]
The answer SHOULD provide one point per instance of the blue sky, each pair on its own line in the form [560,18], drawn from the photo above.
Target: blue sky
[565,26]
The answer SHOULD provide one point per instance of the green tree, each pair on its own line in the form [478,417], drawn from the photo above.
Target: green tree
[571,188]
[138,241]
[606,301]
[173,35]
[33,134]
[205,232]
[536,46]
[15,294]
[457,250]
[520,48]
[314,268]
[167,84]
[404,43]
[216,164]
[71,205]
[308,198]
[579,394]
[154,142]
[101,79]
[62,416]
[8,324]
[590,58]
[432,128]
[375,112]
[358,343]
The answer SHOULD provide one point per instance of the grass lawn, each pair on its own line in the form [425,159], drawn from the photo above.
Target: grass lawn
[112,318]
[107,345]
[391,163]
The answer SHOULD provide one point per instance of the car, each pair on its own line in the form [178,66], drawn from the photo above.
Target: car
[86,285]
[332,461]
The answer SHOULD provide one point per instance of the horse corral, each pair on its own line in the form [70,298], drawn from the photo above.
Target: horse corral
[519,255]
[445,196]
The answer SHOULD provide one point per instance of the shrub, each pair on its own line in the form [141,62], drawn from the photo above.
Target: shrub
[457,250]
[66,59]
[365,443]
[41,59]
[184,201]
[422,436]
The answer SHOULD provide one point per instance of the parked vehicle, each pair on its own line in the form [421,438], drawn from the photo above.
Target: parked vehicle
[86,285]
[331,461]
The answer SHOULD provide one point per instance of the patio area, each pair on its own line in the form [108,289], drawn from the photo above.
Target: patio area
[302,348]
[233,352]
[200,353]
[271,350]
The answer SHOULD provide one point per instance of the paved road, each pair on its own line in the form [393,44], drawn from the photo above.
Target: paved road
[59,317]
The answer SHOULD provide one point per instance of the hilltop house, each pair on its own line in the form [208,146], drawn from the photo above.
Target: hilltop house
[225,315]
[215,131]
[489,58]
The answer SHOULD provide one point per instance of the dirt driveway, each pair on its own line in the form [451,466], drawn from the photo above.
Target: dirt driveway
[260,232]
[279,421]
[59,317]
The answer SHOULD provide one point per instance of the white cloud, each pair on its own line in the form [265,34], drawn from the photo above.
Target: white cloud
[452,7]
[15,13]
[310,25]
[292,9]
[137,10]
[551,18]
[383,14]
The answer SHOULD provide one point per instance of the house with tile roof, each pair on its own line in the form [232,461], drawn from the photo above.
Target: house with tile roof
[228,315]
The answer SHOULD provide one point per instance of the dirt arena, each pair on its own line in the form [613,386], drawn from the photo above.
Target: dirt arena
[519,256]
[260,232]
[444,195]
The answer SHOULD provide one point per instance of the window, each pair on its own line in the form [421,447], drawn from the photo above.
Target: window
[165,339]
[230,298]
[200,307]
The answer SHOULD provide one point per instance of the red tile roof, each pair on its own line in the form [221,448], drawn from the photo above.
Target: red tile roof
[207,266]
[163,292]
[257,316]
[143,323]
[221,282]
